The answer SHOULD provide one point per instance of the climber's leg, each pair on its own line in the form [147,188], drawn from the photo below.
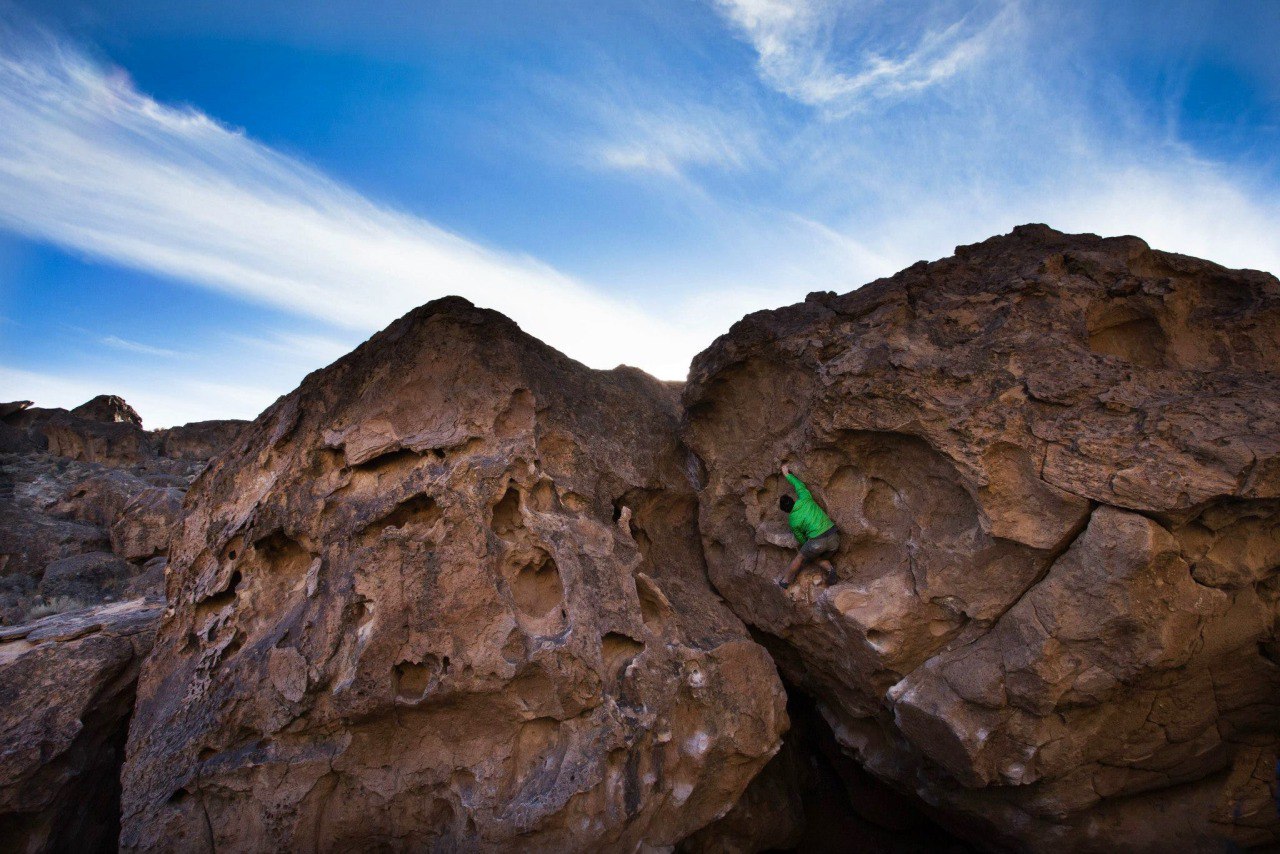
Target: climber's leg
[792,571]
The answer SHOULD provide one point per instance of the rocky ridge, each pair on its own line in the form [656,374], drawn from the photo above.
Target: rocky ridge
[89,500]
[458,592]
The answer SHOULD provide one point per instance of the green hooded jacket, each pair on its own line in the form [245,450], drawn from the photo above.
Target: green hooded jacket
[807,519]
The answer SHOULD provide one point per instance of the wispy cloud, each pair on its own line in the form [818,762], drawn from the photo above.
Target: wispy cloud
[90,163]
[671,139]
[801,55]
[125,344]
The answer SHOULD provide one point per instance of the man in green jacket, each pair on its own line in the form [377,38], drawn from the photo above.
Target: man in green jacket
[814,530]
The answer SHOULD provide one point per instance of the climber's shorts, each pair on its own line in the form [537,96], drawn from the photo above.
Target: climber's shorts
[821,545]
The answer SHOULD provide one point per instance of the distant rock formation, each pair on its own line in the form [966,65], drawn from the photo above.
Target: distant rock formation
[447,595]
[88,498]
[1055,465]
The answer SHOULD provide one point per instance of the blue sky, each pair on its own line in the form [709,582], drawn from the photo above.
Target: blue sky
[201,202]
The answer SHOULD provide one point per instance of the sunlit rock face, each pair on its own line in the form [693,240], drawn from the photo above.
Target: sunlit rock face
[447,595]
[1055,464]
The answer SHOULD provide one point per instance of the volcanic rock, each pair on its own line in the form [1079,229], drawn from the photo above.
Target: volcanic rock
[199,440]
[66,693]
[71,485]
[1054,461]
[108,408]
[86,577]
[147,524]
[447,595]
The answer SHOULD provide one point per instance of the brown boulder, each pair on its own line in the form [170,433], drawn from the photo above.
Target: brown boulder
[86,578]
[447,595]
[66,692]
[1054,461]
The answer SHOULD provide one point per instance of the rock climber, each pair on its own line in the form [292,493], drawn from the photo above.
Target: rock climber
[815,533]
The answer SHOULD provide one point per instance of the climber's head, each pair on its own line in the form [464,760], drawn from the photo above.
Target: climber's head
[786,502]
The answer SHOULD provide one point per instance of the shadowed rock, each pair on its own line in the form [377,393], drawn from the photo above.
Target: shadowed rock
[66,692]
[1055,463]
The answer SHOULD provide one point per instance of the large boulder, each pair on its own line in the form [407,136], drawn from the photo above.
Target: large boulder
[66,693]
[1055,464]
[447,595]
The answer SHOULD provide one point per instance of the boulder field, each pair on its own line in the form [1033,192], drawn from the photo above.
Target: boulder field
[458,592]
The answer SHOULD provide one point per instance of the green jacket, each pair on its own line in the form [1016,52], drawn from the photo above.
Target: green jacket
[807,519]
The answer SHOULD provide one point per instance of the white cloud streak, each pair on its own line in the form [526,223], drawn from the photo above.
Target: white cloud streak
[671,140]
[118,343]
[89,163]
[799,56]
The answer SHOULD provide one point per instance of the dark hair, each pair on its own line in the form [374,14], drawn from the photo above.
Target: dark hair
[786,502]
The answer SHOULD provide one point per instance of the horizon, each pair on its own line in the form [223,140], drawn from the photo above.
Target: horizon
[199,207]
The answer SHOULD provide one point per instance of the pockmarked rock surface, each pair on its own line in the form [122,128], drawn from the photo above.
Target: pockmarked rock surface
[1055,464]
[447,595]
[66,693]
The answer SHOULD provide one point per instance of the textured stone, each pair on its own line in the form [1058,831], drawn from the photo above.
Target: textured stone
[147,523]
[447,595]
[1054,461]
[66,692]
[86,577]
[199,440]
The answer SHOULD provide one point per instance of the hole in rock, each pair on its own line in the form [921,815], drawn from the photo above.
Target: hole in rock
[506,513]
[420,510]
[1270,650]
[618,650]
[232,554]
[412,680]
[536,587]
[514,649]
[651,605]
[1128,333]
[842,806]
[222,598]
[391,459]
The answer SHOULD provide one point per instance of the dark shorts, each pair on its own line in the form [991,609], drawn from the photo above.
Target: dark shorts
[821,545]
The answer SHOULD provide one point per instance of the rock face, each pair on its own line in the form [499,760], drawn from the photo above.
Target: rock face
[77,488]
[1055,464]
[66,693]
[447,595]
